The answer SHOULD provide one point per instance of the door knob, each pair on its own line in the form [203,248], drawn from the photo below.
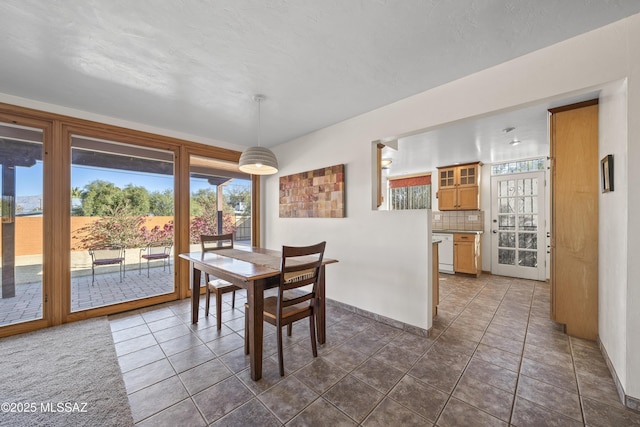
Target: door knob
[494,231]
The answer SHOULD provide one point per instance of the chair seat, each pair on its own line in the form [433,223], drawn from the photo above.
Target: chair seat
[155,256]
[271,308]
[222,285]
[106,261]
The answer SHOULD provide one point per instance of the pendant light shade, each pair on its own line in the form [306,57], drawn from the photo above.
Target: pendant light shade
[258,160]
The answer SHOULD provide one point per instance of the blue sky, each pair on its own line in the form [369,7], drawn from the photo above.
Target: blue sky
[29,180]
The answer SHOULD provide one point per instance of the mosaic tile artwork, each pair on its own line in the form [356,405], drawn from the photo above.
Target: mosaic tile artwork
[314,194]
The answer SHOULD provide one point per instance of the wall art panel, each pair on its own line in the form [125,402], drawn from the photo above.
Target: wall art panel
[314,194]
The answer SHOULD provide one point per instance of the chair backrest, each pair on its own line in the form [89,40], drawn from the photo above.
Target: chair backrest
[159,248]
[300,266]
[113,252]
[214,243]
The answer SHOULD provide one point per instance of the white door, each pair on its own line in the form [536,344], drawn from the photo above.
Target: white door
[518,225]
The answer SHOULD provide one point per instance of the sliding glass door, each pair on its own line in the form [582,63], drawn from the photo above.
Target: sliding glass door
[21,230]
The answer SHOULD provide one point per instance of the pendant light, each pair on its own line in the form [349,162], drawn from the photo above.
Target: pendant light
[258,160]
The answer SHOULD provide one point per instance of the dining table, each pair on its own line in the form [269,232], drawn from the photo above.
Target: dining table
[254,269]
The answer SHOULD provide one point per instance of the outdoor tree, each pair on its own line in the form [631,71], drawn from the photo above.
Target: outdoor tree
[118,226]
[157,235]
[204,209]
[203,199]
[138,198]
[239,197]
[161,203]
[99,198]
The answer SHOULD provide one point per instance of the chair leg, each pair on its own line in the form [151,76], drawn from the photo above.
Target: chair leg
[289,329]
[93,274]
[147,268]
[233,300]
[280,357]
[312,330]
[246,331]
[208,297]
[219,309]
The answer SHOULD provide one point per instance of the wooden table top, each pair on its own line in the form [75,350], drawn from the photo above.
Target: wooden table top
[243,263]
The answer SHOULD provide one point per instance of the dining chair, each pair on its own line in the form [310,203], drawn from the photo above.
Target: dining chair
[215,285]
[155,252]
[300,267]
[107,255]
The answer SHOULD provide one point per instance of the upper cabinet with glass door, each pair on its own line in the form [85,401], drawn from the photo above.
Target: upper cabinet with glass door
[459,187]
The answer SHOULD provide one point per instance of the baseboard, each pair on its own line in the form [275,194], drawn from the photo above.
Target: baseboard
[382,319]
[628,401]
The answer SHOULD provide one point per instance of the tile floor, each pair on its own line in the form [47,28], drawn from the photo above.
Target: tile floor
[494,358]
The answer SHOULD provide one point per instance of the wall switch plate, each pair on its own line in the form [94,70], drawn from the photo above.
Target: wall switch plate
[437,217]
[473,217]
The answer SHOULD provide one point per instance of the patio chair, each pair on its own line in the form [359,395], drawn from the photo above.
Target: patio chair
[218,286]
[300,267]
[107,255]
[155,252]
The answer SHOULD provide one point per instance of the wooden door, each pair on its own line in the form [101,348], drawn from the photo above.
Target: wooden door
[574,225]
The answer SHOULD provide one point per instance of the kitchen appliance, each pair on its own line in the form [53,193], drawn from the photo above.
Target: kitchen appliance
[445,252]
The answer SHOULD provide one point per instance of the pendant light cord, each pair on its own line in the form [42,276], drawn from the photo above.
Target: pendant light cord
[259,122]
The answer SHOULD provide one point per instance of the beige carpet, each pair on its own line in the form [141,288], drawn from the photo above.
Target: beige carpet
[67,375]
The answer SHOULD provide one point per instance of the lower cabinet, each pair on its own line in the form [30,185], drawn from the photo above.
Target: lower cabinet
[466,253]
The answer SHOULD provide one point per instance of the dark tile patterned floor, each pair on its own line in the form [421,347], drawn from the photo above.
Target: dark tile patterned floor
[494,358]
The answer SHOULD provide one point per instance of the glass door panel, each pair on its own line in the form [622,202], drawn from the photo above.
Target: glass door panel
[122,222]
[220,200]
[21,230]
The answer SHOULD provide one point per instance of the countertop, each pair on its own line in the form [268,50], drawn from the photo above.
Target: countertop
[456,231]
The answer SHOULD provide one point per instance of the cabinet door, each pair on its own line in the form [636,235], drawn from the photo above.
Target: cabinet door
[464,258]
[468,176]
[447,178]
[447,199]
[467,198]
[465,253]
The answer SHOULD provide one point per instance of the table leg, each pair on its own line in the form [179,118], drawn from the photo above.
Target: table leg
[321,326]
[255,300]
[195,294]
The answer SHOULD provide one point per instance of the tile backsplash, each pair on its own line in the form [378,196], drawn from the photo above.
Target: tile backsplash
[458,220]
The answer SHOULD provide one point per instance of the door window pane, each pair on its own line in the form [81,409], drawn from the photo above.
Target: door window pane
[527,259]
[220,201]
[507,240]
[122,213]
[527,240]
[507,256]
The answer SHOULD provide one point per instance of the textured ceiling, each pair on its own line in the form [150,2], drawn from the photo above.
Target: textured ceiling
[193,66]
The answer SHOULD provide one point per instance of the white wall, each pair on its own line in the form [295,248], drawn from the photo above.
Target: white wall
[383,261]
[613,234]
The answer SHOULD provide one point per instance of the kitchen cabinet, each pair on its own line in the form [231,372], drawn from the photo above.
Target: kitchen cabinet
[459,187]
[466,253]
